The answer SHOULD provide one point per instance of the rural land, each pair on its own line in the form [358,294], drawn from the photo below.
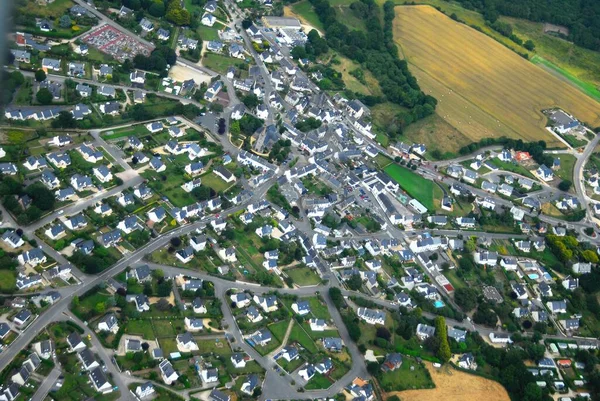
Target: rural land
[226,200]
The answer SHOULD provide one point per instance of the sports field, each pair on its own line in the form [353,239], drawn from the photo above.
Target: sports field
[483,89]
[416,186]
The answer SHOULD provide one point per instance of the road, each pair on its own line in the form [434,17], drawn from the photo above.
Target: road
[578,179]
[46,385]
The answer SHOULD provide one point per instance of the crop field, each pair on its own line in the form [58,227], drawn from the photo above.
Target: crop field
[456,386]
[483,89]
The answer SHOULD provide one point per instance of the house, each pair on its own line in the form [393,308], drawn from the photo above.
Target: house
[261,337]
[193,324]
[88,359]
[185,255]
[425,331]
[157,165]
[545,173]
[307,372]
[267,303]
[216,395]
[324,366]
[486,258]
[227,254]
[44,349]
[81,182]
[199,306]
[392,362]
[508,263]
[76,69]
[224,174]
[239,360]
[467,361]
[109,323]
[59,159]
[334,344]
[146,25]
[301,307]
[457,334]
[466,222]
[154,127]
[144,390]
[103,174]
[12,239]
[32,257]
[582,268]
[371,316]
[142,303]
[142,192]
[129,224]
[111,108]
[167,372]
[317,324]
[251,383]
[50,64]
[100,381]
[570,324]
[570,283]
[84,90]
[107,91]
[194,168]
[163,34]
[176,132]
[76,222]
[208,19]
[210,375]
[500,338]
[557,307]
[186,341]
[241,299]
[253,315]
[523,246]
[198,243]
[75,342]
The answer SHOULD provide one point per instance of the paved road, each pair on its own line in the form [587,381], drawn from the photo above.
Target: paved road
[46,385]
[578,179]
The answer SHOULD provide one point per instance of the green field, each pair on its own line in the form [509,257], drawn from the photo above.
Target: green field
[303,276]
[588,88]
[405,378]
[414,185]
[140,327]
[567,164]
[8,280]
[278,329]
[217,184]
[208,33]
[218,62]
[318,382]
[304,11]
[299,335]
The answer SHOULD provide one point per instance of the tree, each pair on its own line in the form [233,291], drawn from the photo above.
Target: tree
[40,75]
[354,282]
[590,256]
[157,9]
[373,368]
[201,193]
[163,305]
[384,333]
[64,120]
[250,101]
[44,96]
[466,298]
[100,308]
[164,289]
[529,45]
[565,185]
[441,332]
[175,241]
[336,297]
[41,196]
[65,21]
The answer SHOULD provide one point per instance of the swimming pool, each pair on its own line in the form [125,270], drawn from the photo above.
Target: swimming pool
[438,304]
[533,276]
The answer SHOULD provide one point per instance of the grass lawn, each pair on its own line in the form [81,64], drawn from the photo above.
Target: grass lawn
[216,346]
[415,185]
[163,328]
[305,11]
[218,63]
[208,33]
[301,337]
[140,327]
[134,130]
[454,279]
[54,9]
[278,329]
[318,309]
[303,276]
[8,280]
[442,139]
[316,335]
[512,167]
[567,164]
[318,382]
[290,366]
[405,378]
[382,161]
[217,184]
[168,345]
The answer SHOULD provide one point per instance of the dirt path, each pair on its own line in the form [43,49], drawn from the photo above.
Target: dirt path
[453,385]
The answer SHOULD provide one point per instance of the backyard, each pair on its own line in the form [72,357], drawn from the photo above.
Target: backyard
[416,186]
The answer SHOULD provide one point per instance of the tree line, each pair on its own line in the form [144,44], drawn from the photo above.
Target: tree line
[375,49]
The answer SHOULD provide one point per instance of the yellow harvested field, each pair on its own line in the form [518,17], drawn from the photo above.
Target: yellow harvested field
[483,89]
[454,385]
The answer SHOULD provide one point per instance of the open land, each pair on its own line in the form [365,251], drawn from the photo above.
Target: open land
[484,90]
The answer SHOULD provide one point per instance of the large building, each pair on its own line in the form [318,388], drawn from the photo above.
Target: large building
[281,22]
